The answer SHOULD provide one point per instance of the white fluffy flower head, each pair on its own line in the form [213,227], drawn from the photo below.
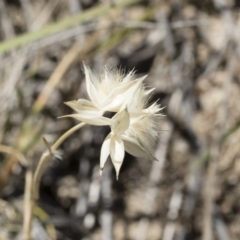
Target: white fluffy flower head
[135,125]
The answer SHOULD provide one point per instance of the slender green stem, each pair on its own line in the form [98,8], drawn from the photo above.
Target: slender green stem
[47,156]
[66,135]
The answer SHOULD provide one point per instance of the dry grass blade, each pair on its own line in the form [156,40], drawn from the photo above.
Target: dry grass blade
[46,158]
[59,26]
[28,205]
[78,49]
[14,152]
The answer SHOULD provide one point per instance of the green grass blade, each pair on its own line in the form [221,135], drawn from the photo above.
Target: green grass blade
[61,25]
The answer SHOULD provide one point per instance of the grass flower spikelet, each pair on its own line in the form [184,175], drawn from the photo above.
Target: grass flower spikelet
[134,127]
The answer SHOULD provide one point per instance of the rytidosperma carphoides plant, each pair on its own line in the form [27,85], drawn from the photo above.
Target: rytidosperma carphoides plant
[135,125]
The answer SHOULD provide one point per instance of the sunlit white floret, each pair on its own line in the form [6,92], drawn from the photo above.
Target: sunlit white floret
[134,127]
[107,92]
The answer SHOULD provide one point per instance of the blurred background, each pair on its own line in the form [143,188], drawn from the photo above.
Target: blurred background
[190,50]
